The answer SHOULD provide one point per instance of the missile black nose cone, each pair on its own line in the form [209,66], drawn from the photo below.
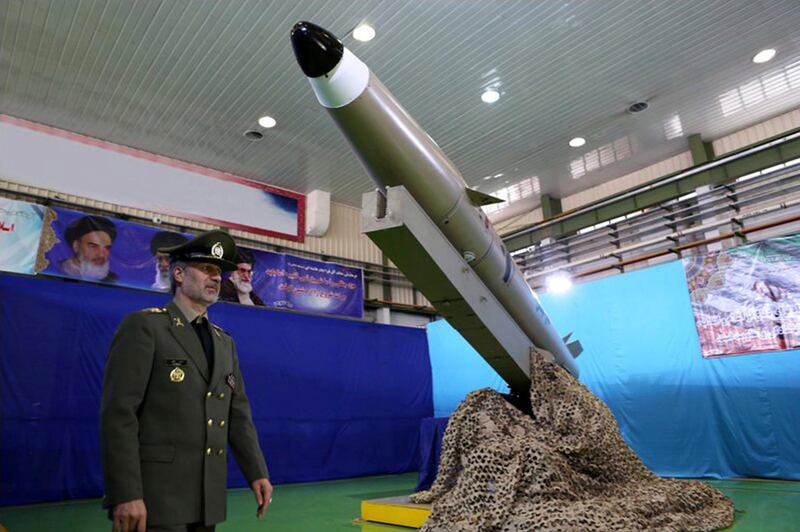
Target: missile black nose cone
[317,50]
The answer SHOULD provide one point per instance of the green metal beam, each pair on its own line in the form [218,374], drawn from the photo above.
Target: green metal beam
[724,173]
[550,206]
[702,152]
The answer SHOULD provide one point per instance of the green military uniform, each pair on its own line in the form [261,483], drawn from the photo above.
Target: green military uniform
[165,421]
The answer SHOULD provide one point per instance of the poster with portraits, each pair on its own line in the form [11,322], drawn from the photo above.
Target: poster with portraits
[747,299]
[108,250]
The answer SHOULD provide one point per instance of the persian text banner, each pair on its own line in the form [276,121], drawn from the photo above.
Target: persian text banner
[286,281]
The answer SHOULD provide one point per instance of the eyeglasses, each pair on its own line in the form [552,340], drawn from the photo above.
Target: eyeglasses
[245,270]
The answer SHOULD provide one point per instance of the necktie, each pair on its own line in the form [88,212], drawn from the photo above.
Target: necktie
[200,326]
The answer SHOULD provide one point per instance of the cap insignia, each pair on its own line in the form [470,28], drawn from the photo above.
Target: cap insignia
[217,250]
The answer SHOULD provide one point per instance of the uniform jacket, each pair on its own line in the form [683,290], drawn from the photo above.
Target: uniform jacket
[165,423]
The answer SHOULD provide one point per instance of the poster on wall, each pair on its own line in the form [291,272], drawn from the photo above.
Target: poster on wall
[107,250]
[111,251]
[20,230]
[289,282]
[747,299]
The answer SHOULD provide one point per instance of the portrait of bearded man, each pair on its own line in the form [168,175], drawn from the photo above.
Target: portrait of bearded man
[238,287]
[90,238]
[163,239]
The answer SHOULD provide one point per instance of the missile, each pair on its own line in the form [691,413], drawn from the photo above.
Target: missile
[396,151]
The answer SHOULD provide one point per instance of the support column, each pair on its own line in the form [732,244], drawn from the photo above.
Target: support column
[383,315]
[714,246]
[550,206]
[702,152]
[387,280]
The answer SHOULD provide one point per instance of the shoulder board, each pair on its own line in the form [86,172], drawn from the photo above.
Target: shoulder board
[154,310]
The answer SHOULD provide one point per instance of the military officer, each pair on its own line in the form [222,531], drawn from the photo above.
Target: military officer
[173,399]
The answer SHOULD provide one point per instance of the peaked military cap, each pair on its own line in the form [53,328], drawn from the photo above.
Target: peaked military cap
[165,239]
[215,247]
[86,224]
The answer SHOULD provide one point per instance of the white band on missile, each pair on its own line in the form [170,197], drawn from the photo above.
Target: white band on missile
[343,84]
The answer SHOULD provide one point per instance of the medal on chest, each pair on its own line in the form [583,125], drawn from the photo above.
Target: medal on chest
[177,375]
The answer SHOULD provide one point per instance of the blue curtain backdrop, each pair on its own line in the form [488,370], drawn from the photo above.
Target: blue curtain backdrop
[684,416]
[331,398]
[457,369]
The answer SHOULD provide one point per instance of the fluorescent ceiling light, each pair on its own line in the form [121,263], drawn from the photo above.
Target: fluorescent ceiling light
[764,55]
[577,142]
[673,128]
[490,96]
[364,33]
[266,122]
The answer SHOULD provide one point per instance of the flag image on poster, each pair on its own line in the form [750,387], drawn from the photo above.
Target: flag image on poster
[20,231]
[747,299]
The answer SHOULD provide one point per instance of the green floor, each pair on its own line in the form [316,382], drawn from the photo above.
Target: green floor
[335,505]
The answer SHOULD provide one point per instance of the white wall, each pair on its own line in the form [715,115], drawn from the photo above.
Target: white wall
[45,157]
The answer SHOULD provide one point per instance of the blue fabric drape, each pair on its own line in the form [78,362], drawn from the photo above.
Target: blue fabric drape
[431,433]
[331,398]
[684,416]
[457,368]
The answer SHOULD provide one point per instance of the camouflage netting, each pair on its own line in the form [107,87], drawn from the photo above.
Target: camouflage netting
[567,468]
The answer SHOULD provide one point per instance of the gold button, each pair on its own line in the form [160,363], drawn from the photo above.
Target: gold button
[208,394]
[219,452]
[210,422]
[208,451]
[222,423]
[221,396]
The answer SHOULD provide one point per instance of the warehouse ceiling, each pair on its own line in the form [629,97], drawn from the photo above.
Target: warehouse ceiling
[187,79]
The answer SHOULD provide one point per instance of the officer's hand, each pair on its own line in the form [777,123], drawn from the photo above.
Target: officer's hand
[263,490]
[131,516]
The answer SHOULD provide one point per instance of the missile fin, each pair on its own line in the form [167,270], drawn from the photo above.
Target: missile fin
[575,348]
[479,199]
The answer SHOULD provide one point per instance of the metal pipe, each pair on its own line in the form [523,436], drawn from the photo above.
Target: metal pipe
[678,177]
[688,245]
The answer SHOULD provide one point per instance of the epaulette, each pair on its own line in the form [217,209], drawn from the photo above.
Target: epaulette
[154,310]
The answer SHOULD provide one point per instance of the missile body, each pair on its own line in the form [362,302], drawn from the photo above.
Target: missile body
[396,151]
